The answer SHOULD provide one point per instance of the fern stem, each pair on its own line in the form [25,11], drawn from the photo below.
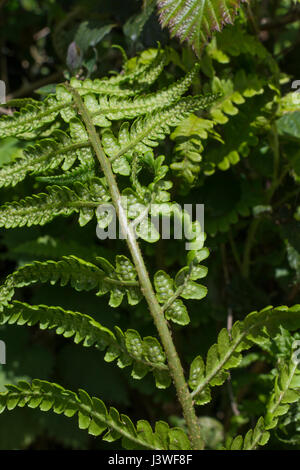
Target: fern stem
[219,366]
[160,322]
[46,113]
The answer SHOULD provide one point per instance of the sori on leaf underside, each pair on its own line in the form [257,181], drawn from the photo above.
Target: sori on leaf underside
[118,122]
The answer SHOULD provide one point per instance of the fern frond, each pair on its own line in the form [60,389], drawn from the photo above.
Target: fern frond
[188,137]
[45,155]
[38,209]
[104,109]
[147,69]
[107,108]
[196,20]
[128,347]
[34,116]
[238,132]
[82,276]
[146,132]
[30,120]
[226,353]
[42,208]
[128,83]
[254,437]
[286,391]
[93,416]
[234,91]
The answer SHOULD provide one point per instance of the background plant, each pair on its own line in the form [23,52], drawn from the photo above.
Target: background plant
[238,155]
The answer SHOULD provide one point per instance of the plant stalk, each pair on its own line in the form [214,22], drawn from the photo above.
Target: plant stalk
[174,364]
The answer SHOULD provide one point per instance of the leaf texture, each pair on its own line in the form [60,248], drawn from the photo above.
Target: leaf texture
[194,21]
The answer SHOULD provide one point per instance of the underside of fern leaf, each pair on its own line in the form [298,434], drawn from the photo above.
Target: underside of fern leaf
[92,142]
[128,348]
[93,416]
[226,353]
[194,21]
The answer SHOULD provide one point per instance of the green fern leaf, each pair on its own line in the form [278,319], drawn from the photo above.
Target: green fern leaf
[253,438]
[35,116]
[105,109]
[134,79]
[40,209]
[164,286]
[226,354]
[79,273]
[184,285]
[234,92]
[146,132]
[129,348]
[31,119]
[45,155]
[188,137]
[286,391]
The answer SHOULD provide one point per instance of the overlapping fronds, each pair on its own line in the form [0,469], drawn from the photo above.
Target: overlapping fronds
[145,133]
[202,145]
[188,137]
[107,108]
[128,348]
[66,143]
[93,416]
[113,102]
[234,91]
